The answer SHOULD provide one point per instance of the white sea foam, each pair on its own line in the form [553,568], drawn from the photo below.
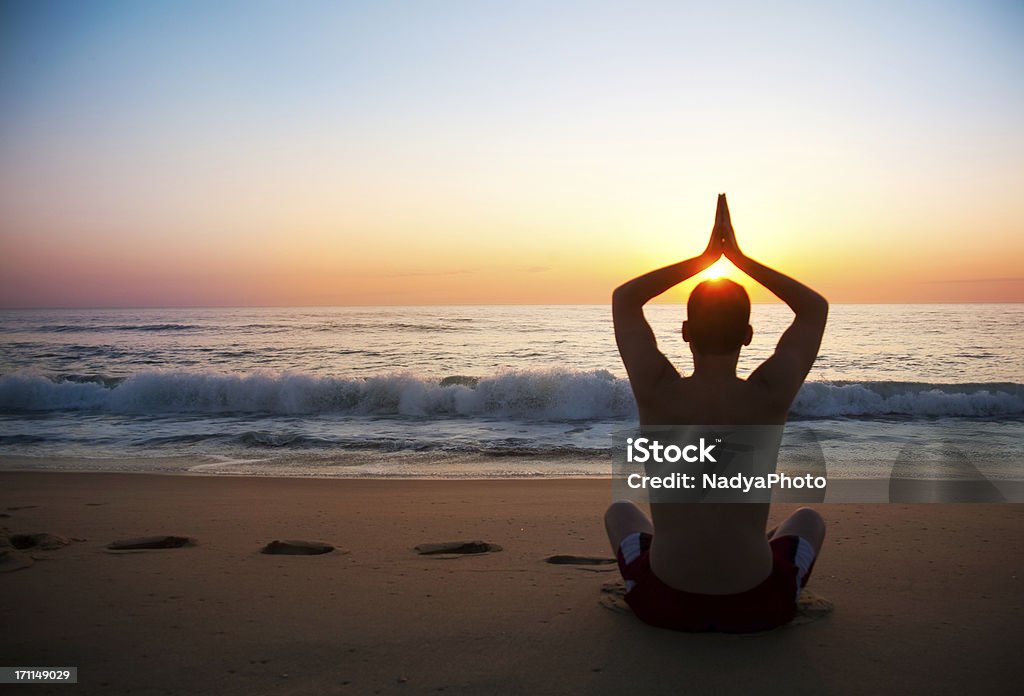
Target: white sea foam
[823,400]
[551,395]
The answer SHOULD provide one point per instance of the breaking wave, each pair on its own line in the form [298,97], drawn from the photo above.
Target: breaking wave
[550,395]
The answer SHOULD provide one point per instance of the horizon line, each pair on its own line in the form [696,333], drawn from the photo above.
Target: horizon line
[448,304]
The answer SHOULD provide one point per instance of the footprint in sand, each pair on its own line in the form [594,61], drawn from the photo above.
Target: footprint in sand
[12,546]
[41,541]
[566,559]
[451,549]
[153,542]
[297,548]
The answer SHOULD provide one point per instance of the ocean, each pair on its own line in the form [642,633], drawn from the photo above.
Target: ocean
[471,391]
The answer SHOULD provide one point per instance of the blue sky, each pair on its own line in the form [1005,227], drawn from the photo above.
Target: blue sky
[144,135]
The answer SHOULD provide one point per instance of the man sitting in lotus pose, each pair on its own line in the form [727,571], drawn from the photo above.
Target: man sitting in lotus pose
[710,566]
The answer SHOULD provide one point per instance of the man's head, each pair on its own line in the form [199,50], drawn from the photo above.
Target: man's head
[717,318]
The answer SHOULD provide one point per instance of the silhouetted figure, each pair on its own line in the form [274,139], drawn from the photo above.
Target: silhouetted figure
[710,566]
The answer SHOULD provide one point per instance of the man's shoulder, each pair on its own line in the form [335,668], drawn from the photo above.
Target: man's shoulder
[682,399]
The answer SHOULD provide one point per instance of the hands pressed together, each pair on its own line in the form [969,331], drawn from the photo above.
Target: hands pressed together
[723,237]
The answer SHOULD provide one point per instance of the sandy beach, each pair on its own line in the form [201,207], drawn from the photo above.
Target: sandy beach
[927,598]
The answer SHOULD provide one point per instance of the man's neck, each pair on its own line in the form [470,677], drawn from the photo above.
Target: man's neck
[714,366]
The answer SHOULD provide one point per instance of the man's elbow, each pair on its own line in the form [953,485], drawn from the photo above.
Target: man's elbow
[812,309]
[818,308]
[621,295]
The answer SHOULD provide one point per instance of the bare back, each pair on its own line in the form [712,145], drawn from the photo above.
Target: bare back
[728,538]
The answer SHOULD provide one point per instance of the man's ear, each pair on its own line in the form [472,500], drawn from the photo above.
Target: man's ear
[686,331]
[750,335]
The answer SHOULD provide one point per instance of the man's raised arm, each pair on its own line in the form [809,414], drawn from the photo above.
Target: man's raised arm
[645,364]
[785,371]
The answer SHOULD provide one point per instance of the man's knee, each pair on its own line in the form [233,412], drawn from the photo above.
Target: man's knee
[618,510]
[811,521]
[810,516]
[623,518]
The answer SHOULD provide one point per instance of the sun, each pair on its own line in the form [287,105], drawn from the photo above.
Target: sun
[718,269]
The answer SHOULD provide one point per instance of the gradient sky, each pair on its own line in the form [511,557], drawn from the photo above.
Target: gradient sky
[292,153]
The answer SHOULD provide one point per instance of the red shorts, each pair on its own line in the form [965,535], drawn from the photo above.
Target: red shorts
[769,605]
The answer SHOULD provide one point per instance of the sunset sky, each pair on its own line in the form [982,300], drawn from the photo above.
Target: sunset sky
[306,153]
